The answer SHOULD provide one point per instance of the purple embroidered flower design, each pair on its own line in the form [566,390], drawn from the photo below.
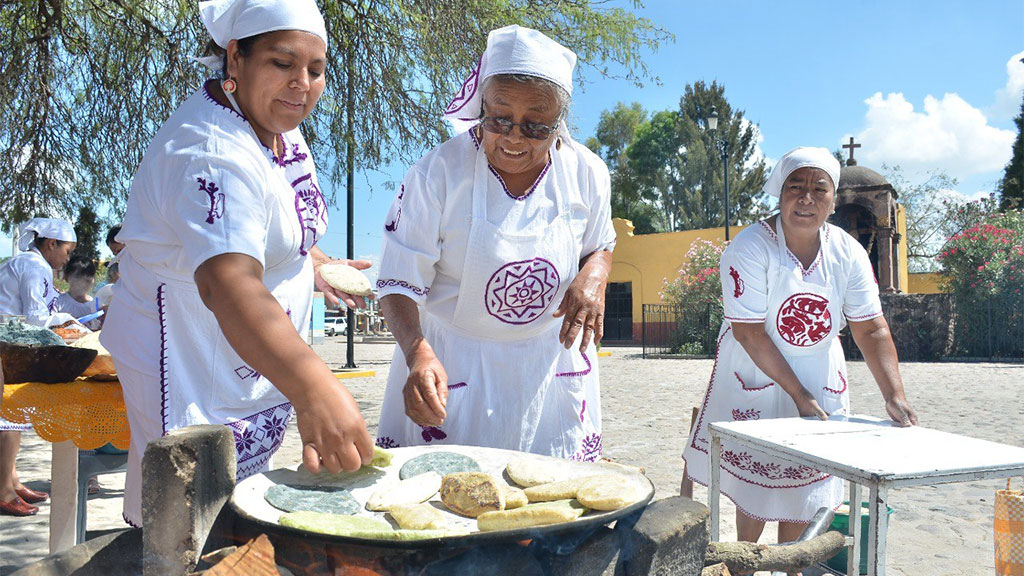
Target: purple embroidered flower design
[590,450]
[393,225]
[245,441]
[519,292]
[258,436]
[295,157]
[243,372]
[311,210]
[216,198]
[387,442]
[431,433]
[466,92]
[274,425]
[740,415]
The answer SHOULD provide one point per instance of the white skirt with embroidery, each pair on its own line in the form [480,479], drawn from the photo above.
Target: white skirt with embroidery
[764,488]
[530,395]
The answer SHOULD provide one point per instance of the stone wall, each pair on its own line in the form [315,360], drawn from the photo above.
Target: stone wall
[921,325]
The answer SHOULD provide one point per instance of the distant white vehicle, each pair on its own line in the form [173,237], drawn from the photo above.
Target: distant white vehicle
[335,325]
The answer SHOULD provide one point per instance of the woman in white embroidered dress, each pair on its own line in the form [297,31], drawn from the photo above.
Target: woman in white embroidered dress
[219,264]
[493,269]
[790,283]
[26,289]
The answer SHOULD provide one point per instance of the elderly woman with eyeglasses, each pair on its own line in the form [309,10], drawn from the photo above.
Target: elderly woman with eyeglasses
[495,257]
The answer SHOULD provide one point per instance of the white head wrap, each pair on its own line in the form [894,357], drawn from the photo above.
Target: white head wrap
[228,20]
[511,50]
[55,228]
[802,157]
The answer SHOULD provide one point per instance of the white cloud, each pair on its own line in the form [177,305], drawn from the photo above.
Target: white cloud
[1008,98]
[758,153]
[948,135]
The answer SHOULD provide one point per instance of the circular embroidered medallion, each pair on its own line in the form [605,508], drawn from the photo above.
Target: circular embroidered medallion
[519,292]
[804,319]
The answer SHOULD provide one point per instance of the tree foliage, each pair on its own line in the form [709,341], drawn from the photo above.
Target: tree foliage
[929,207]
[1011,187]
[89,231]
[674,166]
[85,84]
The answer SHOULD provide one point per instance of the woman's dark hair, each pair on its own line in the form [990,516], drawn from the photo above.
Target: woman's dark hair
[112,233]
[245,46]
[79,266]
[39,241]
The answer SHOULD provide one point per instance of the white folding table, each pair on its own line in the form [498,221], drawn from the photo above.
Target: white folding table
[866,451]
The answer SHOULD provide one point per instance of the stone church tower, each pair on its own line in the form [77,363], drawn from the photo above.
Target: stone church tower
[867,208]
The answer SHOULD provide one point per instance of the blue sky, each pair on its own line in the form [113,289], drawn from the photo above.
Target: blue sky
[927,85]
[921,84]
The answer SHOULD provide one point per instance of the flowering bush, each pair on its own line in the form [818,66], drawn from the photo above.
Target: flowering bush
[699,280]
[986,259]
[697,292]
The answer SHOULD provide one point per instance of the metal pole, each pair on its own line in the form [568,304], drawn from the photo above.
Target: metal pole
[725,175]
[350,161]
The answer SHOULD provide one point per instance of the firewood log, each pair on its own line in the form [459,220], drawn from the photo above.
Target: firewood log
[747,557]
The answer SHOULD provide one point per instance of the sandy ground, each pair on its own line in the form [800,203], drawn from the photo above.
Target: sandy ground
[936,530]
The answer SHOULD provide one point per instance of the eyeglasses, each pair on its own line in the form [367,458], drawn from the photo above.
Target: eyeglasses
[504,126]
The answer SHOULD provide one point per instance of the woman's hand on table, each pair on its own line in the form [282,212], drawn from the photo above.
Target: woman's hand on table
[806,405]
[426,388]
[333,432]
[582,307]
[900,411]
[333,295]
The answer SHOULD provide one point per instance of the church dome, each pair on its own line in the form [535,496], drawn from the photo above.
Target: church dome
[860,177]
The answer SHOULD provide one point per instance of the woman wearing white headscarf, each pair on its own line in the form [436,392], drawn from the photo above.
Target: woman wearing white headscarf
[790,283]
[219,264]
[495,257]
[26,289]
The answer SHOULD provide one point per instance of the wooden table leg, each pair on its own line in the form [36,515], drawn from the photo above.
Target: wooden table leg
[853,552]
[878,528]
[63,495]
[713,483]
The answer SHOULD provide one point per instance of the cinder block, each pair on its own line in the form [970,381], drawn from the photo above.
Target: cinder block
[669,539]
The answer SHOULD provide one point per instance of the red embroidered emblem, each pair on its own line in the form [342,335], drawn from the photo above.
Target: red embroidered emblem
[804,319]
[737,281]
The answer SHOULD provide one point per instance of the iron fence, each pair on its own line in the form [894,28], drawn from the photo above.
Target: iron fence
[681,330]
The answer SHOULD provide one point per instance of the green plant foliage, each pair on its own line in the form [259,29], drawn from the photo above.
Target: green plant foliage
[697,293]
[85,84]
[1011,187]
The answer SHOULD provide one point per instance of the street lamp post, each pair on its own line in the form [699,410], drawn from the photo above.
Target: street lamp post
[722,145]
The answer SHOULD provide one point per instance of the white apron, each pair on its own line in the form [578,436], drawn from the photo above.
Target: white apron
[11,302]
[201,378]
[511,383]
[803,321]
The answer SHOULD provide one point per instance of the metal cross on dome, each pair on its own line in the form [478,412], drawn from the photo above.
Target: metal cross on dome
[851,146]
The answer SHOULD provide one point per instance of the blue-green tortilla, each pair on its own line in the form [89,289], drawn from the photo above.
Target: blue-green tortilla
[443,463]
[324,499]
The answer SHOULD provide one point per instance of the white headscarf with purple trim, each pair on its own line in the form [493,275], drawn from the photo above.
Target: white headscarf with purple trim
[55,228]
[512,50]
[801,157]
[228,20]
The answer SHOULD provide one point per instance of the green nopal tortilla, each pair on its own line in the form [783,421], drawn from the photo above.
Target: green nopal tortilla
[312,498]
[443,463]
[357,527]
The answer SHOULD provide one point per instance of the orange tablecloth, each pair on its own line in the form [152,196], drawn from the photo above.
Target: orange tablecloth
[88,413]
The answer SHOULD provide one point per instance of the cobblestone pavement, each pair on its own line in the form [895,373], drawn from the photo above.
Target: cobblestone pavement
[936,530]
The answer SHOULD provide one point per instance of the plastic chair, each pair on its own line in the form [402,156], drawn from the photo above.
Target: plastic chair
[92,464]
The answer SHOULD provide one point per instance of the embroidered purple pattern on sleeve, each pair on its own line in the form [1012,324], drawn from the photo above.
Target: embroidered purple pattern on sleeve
[387,442]
[590,450]
[51,306]
[244,372]
[402,284]
[581,372]
[164,391]
[215,197]
[311,210]
[257,437]
[519,292]
[393,225]
[431,433]
[466,92]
